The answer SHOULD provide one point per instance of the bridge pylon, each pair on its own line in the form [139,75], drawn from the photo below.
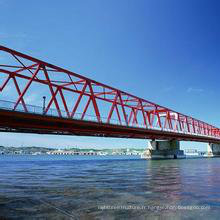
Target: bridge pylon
[163,150]
[213,149]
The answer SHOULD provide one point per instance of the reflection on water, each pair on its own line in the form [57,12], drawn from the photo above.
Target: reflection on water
[56,187]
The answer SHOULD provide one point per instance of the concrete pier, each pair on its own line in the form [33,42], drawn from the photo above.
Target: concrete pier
[163,150]
[213,150]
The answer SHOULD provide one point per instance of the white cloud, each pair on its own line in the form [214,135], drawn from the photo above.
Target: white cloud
[32,98]
[195,90]
[168,89]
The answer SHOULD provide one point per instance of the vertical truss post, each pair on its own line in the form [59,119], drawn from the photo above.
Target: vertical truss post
[85,109]
[187,124]
[123,107]
[143,113]
[94,103]
[158,117]
[52,92]
[178,118]
[64,102]
[51,101]
[78,100]
[19,93]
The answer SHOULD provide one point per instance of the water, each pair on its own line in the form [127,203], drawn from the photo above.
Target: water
[83,187]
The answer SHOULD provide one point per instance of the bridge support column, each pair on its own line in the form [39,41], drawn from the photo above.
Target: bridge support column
[163,150]
[213,150]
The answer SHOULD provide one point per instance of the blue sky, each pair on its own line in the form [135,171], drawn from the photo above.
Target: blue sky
[165,51]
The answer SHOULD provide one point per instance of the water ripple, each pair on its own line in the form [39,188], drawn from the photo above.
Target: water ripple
[50,187]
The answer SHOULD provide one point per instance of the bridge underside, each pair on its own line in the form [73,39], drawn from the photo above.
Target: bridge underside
[12,121]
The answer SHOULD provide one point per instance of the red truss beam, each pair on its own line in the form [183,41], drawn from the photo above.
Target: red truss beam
[117,106]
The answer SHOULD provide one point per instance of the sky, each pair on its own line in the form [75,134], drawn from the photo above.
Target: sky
[167,52]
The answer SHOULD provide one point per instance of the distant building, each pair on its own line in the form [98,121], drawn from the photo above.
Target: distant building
[71,152]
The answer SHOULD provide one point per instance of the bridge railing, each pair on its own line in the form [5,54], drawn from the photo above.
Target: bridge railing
[8,105]
[33,109]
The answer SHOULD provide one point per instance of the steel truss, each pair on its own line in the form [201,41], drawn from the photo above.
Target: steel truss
[107,103]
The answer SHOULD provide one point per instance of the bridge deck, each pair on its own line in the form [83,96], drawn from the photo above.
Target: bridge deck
[14,121]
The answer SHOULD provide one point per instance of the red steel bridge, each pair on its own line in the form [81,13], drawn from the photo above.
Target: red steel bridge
[38,97]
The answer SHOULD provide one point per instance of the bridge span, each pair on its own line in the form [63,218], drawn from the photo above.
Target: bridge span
[36,122]
[38,97]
